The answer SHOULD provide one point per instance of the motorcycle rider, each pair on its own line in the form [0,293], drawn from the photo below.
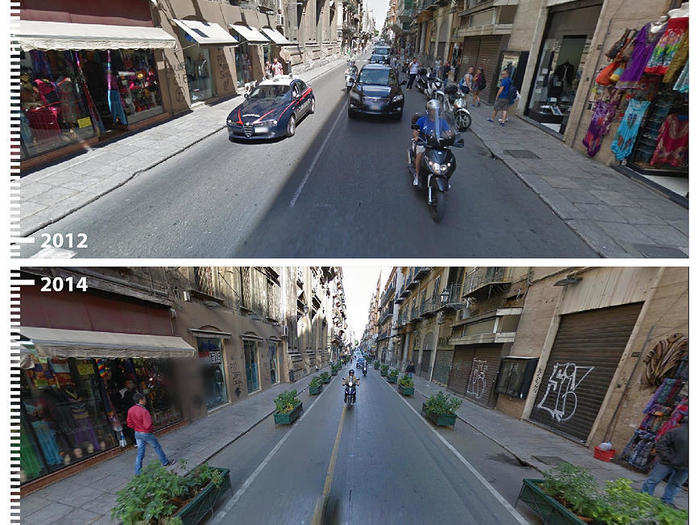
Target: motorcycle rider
[351,375]
[426,126]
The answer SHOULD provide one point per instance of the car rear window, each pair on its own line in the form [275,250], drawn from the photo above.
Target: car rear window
[375,76]
[381,51]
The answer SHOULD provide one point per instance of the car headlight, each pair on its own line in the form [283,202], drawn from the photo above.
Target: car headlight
[397,98]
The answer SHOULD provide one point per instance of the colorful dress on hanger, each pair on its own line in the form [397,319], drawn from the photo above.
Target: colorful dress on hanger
[672,147]
[667,46]
[628,129]
[603,115]
[47,441]
[682,82]
[644,44]
[28,455]
[679,59]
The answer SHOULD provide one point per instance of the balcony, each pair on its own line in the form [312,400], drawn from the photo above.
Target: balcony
[430,306]
[385,315]
[421,272]
[454,297]
[481,283]
[496,326]
[267,6]
[415,313]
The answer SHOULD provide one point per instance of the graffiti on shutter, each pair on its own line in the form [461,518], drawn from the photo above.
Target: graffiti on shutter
[560,397]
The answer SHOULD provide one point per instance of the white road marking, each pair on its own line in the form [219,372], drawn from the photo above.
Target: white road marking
[221,515]
[316,157]
[518,517]
[53,253]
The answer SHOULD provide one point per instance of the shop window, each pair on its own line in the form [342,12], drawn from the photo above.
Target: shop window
[244,66]
[211,360]
[198,70]
[515,376]
[250,352]
[274,375]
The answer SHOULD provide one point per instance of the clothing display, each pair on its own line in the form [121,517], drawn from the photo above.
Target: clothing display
[644,44]
[681,84]
[627,131]
[603,115]
[667,46]
[672,147]
[29,460]
[680,58]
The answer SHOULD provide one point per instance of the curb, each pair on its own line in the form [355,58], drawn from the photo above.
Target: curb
[34,228]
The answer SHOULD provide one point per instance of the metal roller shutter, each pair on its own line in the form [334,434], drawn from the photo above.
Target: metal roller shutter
[441,369]
[425,364]
[584,357]
[461,368]
[470,53]
[484,373]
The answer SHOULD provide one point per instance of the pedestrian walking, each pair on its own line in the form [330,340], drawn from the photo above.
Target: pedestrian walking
[268,69]
[139,419]
[412,72]
[479,84]
[445,71]
[277,68]
[503,98]
[467,82]
[672,461]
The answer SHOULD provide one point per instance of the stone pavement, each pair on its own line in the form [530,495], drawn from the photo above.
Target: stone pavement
[615,215]
[527,442]
[88,496]
[49,194]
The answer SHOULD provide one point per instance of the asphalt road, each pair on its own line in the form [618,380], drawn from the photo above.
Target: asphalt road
[338,188]
[389,467]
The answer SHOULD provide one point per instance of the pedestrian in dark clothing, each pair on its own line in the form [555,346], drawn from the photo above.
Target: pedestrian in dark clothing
[479,84]
[672,461]
[139,419]
[446,71]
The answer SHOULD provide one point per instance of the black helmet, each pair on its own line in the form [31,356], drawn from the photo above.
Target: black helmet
[352,372]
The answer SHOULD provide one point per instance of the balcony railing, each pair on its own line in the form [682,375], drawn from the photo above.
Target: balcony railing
[454,297]
[430,306]
[485,282]
[269,6]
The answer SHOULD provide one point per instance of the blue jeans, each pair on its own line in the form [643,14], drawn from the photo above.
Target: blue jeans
[673,485]
[142,438]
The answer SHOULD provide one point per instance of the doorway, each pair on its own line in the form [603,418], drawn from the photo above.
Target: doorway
[250,352]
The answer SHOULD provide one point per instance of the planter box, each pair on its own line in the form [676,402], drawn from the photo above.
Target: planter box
[327,380]
[334,372]
[391,379]
[204,503]
[441,421]
[384,373]
[406,390]
[315,390]
[289,417]
[546,507]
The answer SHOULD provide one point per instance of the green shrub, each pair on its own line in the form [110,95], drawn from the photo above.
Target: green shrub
[441,404]
[406,381]
[376,365]
[156,494]
[325,376]
[393,373]
[286,402]
[385,369]
[315,382]
[618,503]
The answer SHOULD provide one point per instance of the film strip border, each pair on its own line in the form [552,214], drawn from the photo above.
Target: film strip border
[16,282]
[15,144]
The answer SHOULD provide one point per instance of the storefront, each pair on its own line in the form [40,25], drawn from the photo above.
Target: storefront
[75,389]
[483,52]
[196,38]
[211,363]
[82,82]
[251,359]
[254,46]
[565,46]
[641,95]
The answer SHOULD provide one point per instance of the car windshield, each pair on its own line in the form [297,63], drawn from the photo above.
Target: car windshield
[381,51]
[378,77]
[269,92]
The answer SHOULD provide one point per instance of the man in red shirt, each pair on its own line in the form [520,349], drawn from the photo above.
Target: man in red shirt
[139,419]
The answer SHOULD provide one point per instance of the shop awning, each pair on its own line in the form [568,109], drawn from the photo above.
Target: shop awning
[64,35]
[206,33]
[84,344]
[276,37]
[249,34]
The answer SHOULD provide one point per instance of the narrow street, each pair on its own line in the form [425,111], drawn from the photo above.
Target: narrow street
[278,473]
[341,182]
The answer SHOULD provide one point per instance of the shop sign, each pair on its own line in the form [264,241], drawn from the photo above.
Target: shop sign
[84,122]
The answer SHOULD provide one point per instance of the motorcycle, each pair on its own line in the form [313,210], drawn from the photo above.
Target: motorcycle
[364,371]
[350,77]
[422,80]
[350,392]
[434,84]
[460,104]
[438,162]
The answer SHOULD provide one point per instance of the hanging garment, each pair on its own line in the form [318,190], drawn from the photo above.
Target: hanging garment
[644,44]
[682,82]
[667,46]
[627,131]
[116,108]
[680,57]
[47,441]
[98,126]
[672,147]
[44,122]
[603,115]
[83,432]
[28,456]
[48,91]
[40,63]
[70,111]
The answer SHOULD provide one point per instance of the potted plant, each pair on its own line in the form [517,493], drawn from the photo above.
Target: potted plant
[325,377]
[406,385]
[287,407]
[392,376]
[570,494]
[384,370]
[335,368]
[158,496]
[441,409]
[376,365]
[315,386]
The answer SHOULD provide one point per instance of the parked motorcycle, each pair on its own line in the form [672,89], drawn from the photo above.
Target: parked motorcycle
[434,84]
[364,370]
[438,162]
[422,80]
[460,106]
[350,76]
[350,392]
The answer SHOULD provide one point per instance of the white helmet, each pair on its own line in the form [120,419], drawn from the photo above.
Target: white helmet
[432,107]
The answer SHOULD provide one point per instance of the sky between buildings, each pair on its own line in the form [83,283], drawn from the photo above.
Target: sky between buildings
[359,283]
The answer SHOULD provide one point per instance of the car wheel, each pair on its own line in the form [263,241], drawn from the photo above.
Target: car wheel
[312,109]
[351,113]
[291,126]
[399,115]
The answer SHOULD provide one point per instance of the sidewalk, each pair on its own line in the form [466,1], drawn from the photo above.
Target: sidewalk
[528,442]
[49,194]
[88,496]
[615,215]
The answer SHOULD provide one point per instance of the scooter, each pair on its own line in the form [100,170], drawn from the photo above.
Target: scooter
[460,105]
[422,80]
[350,77]
[350,392]
[434,84]
[364,370]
